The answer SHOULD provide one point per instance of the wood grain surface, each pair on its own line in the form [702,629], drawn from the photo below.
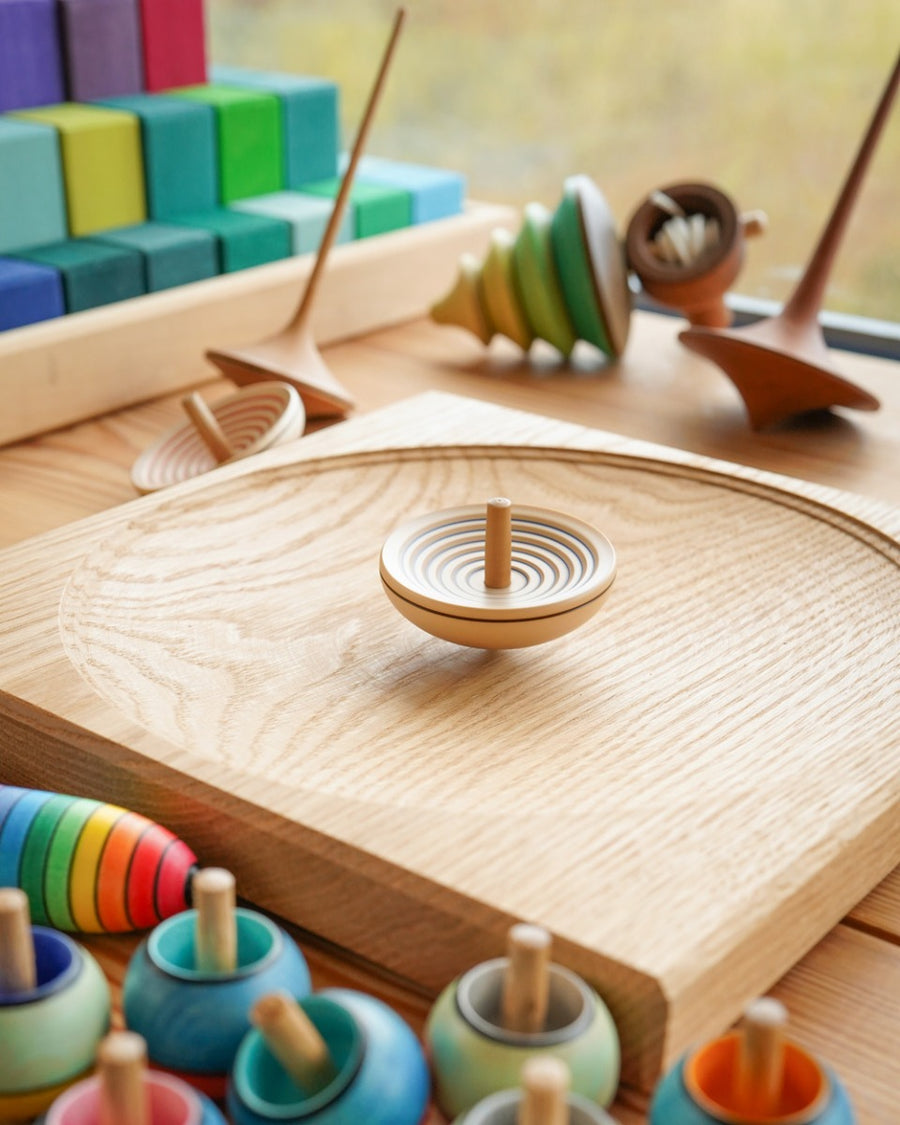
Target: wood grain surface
[689,793]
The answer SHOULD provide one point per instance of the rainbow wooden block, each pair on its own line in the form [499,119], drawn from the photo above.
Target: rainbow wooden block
[244,240]
[307,215]
[102,164]
[92,273]
[32,196]
[172,255]
[31,71]
[309,109]
[435,192]
[179,145]
[376,209]
[249,136]
[101,47]
[89,866]
[173,41]
[28,293]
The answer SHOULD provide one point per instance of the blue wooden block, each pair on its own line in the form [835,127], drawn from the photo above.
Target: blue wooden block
[28,293]
[31,69]
[180,154]
[172,255]
[307,215]
[101,48]
[309,109]
[32,192]
[436,193]
[92,273]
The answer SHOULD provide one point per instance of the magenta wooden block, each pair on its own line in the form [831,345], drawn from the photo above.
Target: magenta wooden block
[174,43]
[31,71]
[102,48]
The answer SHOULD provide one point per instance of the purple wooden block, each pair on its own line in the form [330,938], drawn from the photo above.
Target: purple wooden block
[102,48]
[31,70]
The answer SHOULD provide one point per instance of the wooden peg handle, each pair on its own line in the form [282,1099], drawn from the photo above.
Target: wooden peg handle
[294,1040]
[526,983]
[207,426]
[498,544]
[545,1084]
[215,943]
[759,1074]
[18,972]
[121,1063]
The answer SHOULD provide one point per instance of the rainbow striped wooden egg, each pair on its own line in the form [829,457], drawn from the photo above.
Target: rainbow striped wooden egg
[88,866]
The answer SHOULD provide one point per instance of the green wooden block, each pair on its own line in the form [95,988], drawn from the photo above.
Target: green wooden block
[32,199]
[180,162]
[309,110]
[377,209]
[93,273]
[244,240]
[308,216]
[102,164]
[172,255]
[249,138]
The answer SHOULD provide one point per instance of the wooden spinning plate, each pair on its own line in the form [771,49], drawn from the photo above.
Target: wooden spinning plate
[688,791]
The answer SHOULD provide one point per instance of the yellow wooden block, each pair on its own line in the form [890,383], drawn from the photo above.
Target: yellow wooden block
[103,164]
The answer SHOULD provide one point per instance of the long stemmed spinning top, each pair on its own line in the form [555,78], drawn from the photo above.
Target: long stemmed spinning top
[292,354]
[781,366]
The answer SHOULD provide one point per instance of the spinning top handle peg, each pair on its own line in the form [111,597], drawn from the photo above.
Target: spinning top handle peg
[545,1084]
[498,544]
[122,1063]
[294,1040]
[215,942]
[207,426]
[759,1074]
[526,982]
[18,972]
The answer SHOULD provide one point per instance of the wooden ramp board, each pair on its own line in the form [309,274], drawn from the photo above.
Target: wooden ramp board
[689,791]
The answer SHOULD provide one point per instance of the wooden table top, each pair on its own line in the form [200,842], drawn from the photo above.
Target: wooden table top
[839,994]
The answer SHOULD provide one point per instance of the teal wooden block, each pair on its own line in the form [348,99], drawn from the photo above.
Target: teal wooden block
[93,273]
[172,255]
[376,209]
[180,155]
[436,193]
[310,115]
[249,139]
[244,240]
[307,215]
[32,192]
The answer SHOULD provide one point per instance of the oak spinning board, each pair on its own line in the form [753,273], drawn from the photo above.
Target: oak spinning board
[689,791]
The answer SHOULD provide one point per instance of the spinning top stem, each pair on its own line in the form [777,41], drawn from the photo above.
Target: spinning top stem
[208,427]
[498,544]
[759,1074]
[294,1040]
[526,983]
[124,1097]
[215,942]
[17,965]
[545,1083]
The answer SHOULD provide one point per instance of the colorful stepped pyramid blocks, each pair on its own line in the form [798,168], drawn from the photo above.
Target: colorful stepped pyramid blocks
[32,197]
[307,216]
[102,164]
[179,144]
[173,38]
[310,125]
[92,272]
[376,209]
[244,240]
[28,293]
[435,193]
[101,47]
[31,68]
[171,255]
[250,150]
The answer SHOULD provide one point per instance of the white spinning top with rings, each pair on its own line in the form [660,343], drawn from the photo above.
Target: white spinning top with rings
[494,576]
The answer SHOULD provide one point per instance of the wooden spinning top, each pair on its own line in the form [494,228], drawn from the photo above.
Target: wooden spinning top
[497,578]
[259,417]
